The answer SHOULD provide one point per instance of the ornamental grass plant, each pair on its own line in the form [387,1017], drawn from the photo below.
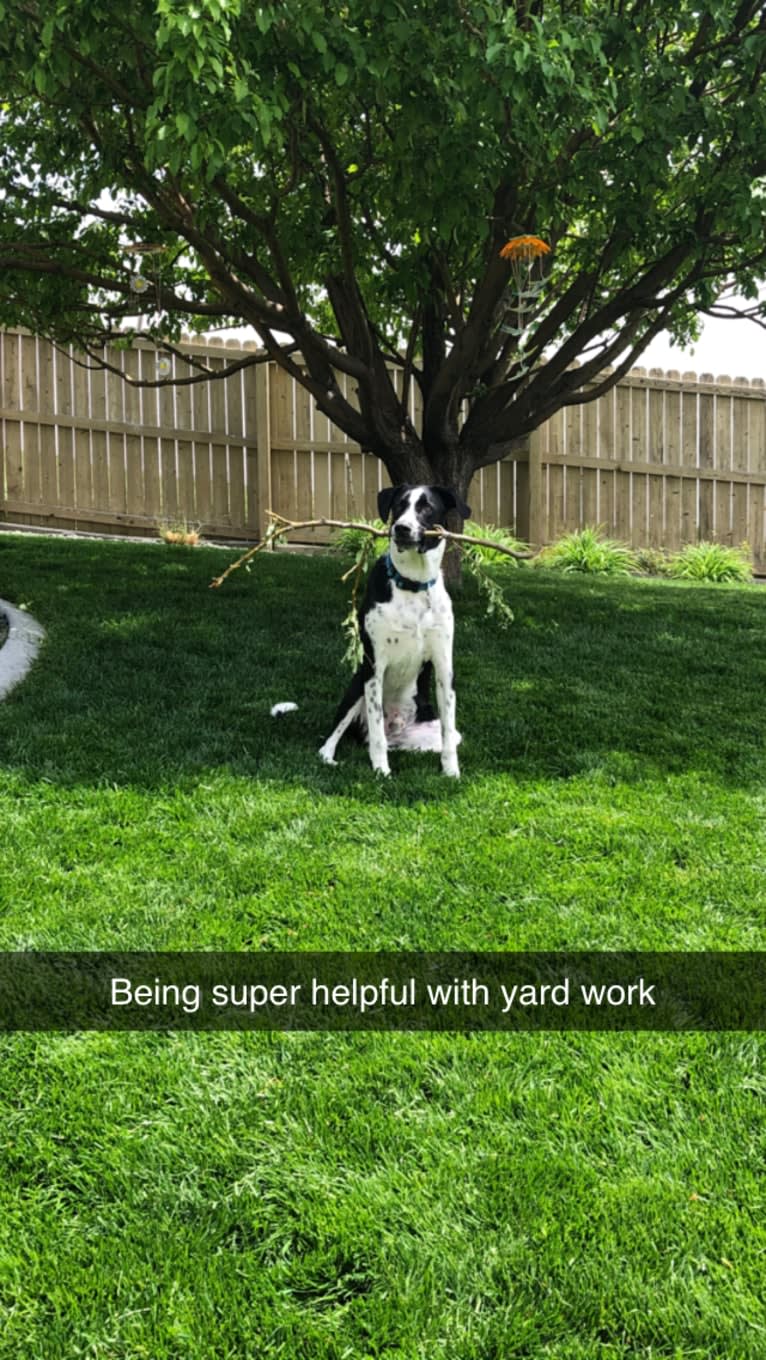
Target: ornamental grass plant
[589,550]
[712,562]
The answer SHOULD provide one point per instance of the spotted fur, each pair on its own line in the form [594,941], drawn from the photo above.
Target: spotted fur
[406,626]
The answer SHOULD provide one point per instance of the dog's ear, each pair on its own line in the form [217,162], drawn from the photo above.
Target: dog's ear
[453,501]
[386,498]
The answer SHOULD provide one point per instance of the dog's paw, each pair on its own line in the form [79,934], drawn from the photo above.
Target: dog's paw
[382,770]
[327,756]
[451,768]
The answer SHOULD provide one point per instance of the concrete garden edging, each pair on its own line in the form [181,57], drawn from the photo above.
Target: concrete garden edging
[25,637]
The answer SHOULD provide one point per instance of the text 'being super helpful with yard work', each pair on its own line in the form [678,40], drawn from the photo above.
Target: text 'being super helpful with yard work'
[383,991]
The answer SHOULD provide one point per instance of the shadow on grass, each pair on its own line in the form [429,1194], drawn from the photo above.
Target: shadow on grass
[149,678]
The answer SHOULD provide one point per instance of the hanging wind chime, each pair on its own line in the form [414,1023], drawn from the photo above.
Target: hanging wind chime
[141,285]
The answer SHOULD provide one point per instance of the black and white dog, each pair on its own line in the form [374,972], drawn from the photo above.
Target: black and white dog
[406,627]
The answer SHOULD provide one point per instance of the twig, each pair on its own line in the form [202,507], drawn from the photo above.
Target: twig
[279,526]
[480,543]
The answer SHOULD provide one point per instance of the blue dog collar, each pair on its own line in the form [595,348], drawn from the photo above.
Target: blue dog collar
[404,582]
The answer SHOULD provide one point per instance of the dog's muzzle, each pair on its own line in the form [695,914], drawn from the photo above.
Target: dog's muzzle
[404,537]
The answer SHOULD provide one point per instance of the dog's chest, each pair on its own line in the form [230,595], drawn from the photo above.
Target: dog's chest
[406,629]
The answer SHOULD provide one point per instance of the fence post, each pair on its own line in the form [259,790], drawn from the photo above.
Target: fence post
[263,442]
[535,489]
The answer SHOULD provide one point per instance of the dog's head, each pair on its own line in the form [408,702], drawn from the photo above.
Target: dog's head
[416,509]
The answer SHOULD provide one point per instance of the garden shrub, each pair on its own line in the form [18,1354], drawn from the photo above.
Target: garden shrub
[711,562]
[588,550]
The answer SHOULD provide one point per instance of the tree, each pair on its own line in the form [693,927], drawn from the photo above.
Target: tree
[344,177]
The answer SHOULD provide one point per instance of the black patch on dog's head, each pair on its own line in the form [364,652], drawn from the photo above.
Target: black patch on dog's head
[388,496]
[434,502]
[452,501]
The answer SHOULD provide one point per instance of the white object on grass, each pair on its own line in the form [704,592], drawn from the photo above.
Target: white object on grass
[22,644]
[279,709]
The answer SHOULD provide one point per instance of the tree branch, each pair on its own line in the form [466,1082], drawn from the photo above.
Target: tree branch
[19,255]
[205,374]
[279,525]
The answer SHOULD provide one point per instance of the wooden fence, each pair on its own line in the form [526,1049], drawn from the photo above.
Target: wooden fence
[662,460]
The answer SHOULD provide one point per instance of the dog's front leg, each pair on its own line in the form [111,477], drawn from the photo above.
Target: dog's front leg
[376,729]
[445,702]
[327,751]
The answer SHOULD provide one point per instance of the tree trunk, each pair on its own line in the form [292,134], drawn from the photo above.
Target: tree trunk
[452,565]
[453,468]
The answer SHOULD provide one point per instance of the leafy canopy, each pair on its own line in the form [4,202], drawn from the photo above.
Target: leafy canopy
[346,174]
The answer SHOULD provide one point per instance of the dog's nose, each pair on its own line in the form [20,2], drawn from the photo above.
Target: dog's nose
[402,534]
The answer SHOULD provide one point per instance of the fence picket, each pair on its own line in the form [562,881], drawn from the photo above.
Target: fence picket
[690,443]
[723,490]
[655,453]
[671,530]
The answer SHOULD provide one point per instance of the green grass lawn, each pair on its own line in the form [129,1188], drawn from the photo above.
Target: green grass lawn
[413,1197]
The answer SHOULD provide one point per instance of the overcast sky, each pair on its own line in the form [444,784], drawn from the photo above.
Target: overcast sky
[734,347]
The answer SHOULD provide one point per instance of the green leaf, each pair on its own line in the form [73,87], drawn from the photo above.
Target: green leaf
[184,125]
[265,122]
